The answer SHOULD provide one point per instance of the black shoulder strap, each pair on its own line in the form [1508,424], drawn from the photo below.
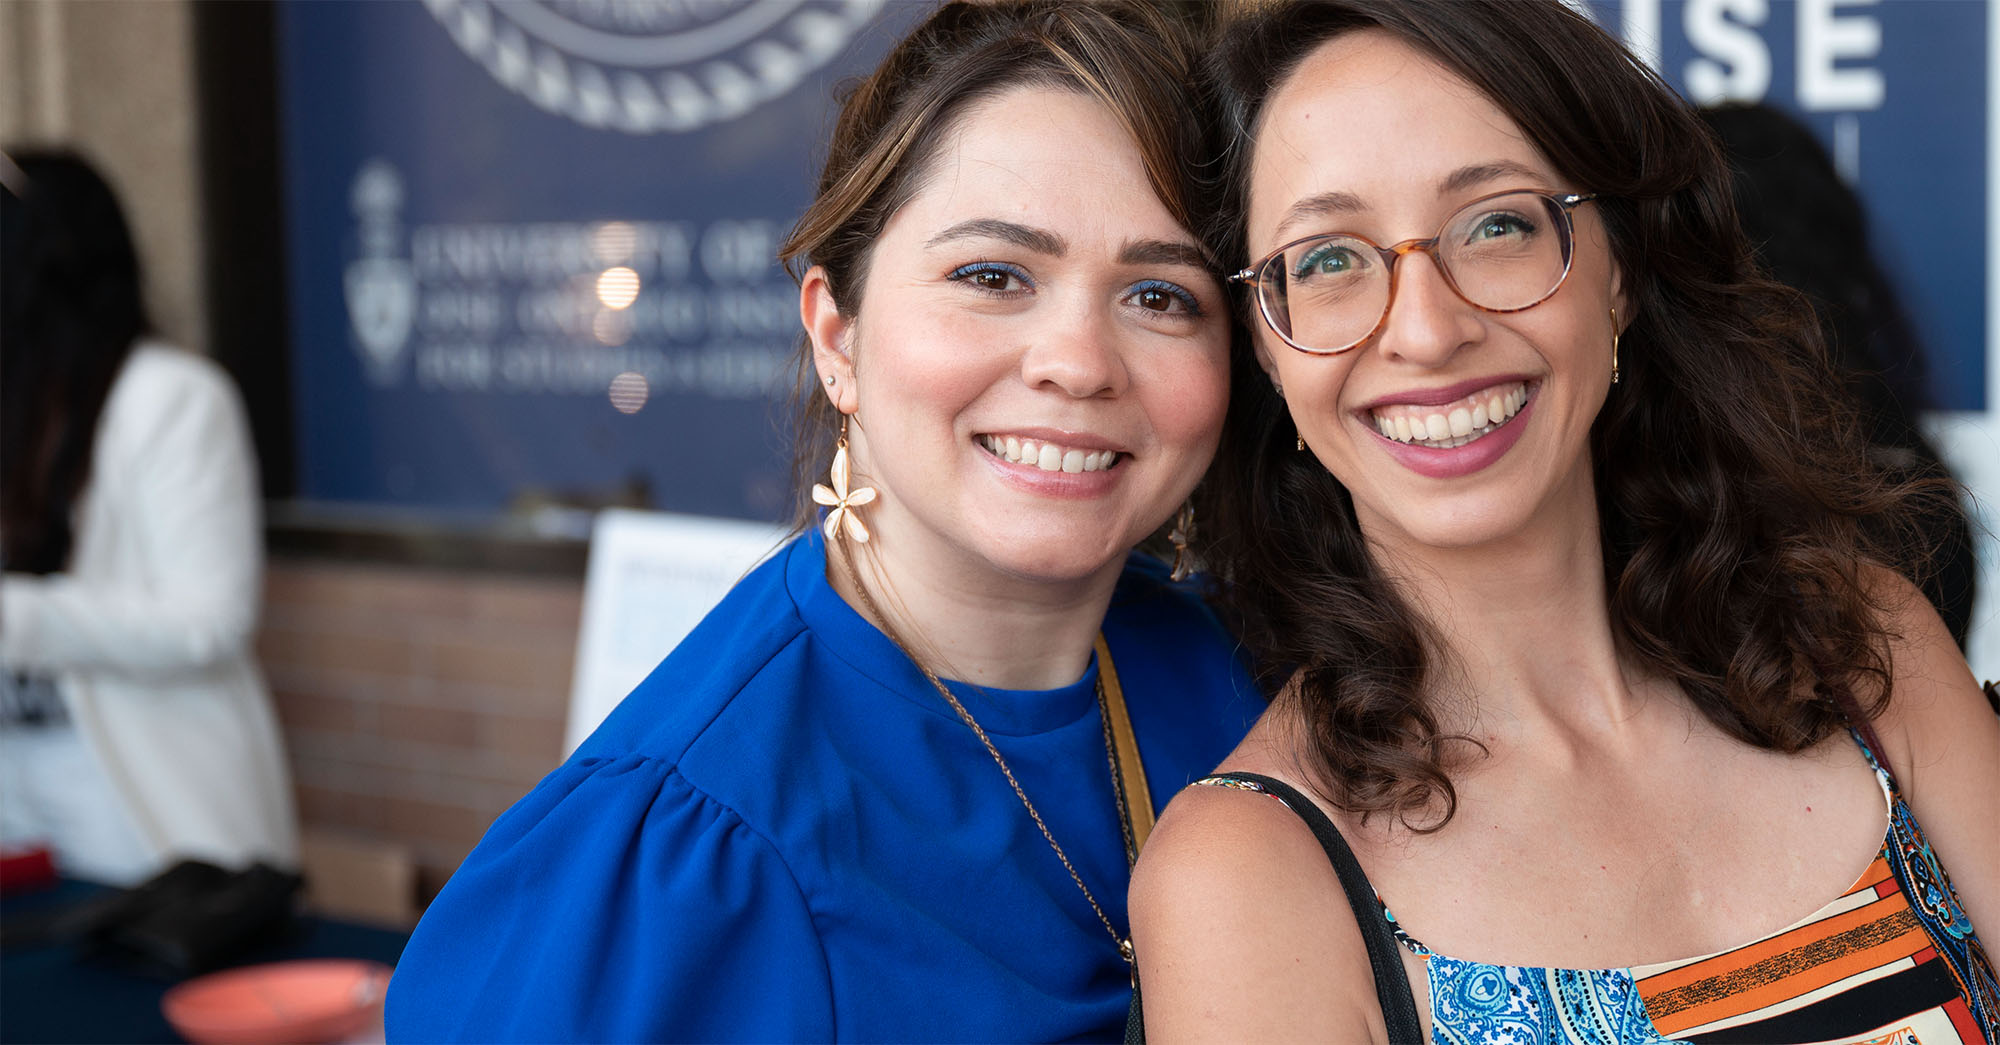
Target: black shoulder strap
[1392,984]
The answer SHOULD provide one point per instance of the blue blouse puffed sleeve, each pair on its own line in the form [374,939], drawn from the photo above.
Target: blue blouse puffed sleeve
[616,902]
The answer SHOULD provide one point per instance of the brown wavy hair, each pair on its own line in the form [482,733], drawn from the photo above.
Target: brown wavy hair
[1739,512]
[1138,59]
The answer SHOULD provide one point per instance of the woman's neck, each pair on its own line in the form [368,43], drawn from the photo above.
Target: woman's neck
[976,625]
[1524,624]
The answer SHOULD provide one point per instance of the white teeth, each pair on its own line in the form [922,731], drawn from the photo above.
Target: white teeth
[1460,425]
[1047,456]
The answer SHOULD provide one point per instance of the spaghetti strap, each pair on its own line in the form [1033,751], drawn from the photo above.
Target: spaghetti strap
[1870,744]
[1863,730]
[1392,983]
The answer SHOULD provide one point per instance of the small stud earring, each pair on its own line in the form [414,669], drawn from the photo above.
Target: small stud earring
[829,379]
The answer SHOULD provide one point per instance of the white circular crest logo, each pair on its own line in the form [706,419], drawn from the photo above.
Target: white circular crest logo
[652,66]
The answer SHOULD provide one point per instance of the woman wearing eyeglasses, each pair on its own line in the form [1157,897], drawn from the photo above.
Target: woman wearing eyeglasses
[1600,716]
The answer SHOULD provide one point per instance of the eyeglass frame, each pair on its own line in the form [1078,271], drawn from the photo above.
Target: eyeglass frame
[1253,278]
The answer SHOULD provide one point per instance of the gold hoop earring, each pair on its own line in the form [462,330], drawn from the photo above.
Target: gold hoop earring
[840,498]
[1614,346]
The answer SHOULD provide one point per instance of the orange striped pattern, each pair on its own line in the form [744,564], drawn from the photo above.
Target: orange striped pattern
[1841,942]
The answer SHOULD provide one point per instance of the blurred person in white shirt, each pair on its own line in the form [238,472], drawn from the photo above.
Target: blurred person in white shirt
[135,728]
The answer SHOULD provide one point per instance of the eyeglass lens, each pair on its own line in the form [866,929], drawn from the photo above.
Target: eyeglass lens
[1500,254]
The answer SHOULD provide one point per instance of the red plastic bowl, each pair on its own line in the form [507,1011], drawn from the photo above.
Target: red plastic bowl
[315,1000]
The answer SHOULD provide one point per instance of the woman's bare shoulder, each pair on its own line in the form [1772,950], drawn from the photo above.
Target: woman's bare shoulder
[1935,707]
[1241,927]
[1233,845]
[1944,745]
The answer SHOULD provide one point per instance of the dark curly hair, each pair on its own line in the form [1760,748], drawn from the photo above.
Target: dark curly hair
[1739,513]
[1138,59]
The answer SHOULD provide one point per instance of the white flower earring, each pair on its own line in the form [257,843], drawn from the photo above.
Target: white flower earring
[839,498]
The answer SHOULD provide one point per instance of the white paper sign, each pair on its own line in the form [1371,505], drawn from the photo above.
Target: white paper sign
[653,576]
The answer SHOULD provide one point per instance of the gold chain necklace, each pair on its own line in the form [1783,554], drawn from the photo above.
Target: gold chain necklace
[1123,943]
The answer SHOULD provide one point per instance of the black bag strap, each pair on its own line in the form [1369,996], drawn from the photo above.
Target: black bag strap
[1392,984]
[1135,1014]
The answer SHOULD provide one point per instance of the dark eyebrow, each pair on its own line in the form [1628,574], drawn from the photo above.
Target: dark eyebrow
[1037,240]
[1162,252]
[1477,174]
[1323,204]
[1318,205]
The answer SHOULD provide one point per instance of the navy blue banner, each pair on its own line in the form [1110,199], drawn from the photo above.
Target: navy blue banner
[531,243]
[1897,91]
[531,240]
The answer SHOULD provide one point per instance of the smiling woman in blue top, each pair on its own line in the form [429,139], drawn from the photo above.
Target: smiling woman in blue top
[886,791]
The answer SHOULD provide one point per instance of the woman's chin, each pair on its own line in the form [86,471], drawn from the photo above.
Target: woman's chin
[1053,558]
[1446,528]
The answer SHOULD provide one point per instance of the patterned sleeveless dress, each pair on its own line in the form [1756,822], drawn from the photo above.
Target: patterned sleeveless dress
[1893,961]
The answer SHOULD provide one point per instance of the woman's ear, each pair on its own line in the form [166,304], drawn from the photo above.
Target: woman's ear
[1266,363]
[1627,311]
[832,337]
[1628,308]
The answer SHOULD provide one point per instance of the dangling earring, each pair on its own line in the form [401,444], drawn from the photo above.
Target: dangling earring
[1614,346]
[1280,389]
[1182,536]
[839,498]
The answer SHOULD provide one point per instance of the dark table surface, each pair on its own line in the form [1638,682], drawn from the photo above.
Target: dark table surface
[48,993]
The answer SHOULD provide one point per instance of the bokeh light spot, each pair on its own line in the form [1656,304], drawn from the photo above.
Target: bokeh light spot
[612,327]
[629,392]
[613,242]
[618,287]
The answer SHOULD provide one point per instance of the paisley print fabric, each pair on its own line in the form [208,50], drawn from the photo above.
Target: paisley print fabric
[1922,878]
[1472,1002]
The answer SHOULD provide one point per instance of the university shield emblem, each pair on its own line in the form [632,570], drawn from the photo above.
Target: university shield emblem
[381,301]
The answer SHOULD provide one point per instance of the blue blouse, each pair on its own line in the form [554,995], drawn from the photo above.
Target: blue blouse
[785,833]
